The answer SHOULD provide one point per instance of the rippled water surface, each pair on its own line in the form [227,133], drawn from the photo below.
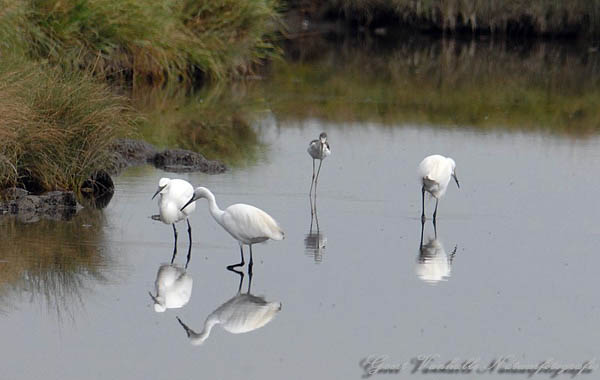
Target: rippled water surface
[511,272]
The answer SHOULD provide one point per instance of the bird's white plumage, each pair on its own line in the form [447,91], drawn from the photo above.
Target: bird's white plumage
[435,172]
[247,224]
[173,287]
[241,314]
[172,197]
[434,264]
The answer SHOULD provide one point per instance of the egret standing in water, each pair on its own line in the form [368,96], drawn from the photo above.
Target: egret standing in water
[247,224]
[318,150]
[435,172]
[173,194]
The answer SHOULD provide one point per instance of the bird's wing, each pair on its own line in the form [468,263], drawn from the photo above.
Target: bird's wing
[436,169]
[249,223]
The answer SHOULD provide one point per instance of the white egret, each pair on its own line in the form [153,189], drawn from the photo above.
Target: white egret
[172,195]
[318,149]
[241,314]
[247,224]
[435,172]
[173,288]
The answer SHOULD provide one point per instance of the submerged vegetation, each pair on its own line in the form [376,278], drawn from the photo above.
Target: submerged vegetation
[511,17]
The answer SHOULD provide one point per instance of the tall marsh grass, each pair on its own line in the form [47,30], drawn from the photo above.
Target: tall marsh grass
[149,41]
[56,126]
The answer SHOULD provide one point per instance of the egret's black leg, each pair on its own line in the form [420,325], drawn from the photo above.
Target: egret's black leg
[251,262]
[241,264]
[189,255]
[174,245]
[434,229]
[435,212]
[423,204]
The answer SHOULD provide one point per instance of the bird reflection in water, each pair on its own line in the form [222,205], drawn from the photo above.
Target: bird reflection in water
[434,264]
[243,313]
[315,241]
[173,287]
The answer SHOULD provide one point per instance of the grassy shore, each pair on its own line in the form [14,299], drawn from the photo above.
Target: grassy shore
[513,17]
[55,126]
[145,41]
[64,62]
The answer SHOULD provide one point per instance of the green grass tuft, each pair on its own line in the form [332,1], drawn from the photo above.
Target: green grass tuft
[56,125]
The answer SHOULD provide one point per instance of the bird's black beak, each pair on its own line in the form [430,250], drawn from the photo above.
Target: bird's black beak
[158,191]
[190,201]
[188,330]
[456,179]
[153,298]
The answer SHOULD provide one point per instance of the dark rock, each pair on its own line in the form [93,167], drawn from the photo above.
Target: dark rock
[14,193]
[98,190]
[29,208]
[129,152]
[28,203]
[179,161]
[56,199]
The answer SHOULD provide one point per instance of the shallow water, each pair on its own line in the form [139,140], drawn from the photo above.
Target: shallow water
[521,282]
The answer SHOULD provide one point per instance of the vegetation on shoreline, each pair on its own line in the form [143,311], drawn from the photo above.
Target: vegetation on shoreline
[65,61]
[151,42]
[509,17]
[56,126]
[447,83]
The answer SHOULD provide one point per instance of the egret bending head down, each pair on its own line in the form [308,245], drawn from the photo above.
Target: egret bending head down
[435,172]
[247,224]
[172,195]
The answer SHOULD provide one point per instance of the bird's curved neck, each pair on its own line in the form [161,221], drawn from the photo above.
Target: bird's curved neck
[213,207]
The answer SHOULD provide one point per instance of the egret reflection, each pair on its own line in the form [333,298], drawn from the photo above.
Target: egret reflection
[434,263]
[173,288]
[243,313]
